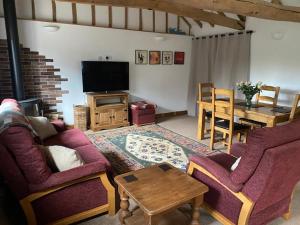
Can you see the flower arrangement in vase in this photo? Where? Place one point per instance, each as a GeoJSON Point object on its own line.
{"type": "Point", "coordinates": [249, 90]}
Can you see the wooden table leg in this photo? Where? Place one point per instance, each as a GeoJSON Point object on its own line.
{"type": "Point", "coordinates": [271, 123]}
{"type": "Point", "coordinates": [201, 122]}
{"type": "Point", "coordinates": [150, 220]}
{"type": "Point", "coordinates": [196, 210]}
{"type": "Point", "coordinates": [124, 205]}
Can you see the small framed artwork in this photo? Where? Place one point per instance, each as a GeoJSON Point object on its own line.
{"type": "Point", "coordinates": [154, 57]}
{"type": "Point", "coordinates": [167, 58]}
{"type": "Point", "coordinates": [141, 57]}
{"type": "Point", "coordinates": [179, 58]}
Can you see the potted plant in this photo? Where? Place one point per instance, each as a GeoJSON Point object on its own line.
{"type": "Point", "coordinates": [249, 90]}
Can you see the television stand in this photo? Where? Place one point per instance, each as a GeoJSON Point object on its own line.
{"type": "Point", "coordinates": [108, 110]}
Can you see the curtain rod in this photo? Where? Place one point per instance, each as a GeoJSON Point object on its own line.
{"type": "Point", "coordinates": [223, 35]}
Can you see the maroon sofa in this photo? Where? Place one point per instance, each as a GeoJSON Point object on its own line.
{"type": "Point", "coordinates": [261, 187]}
{"type": "Point", "coordinates": [46, 196]}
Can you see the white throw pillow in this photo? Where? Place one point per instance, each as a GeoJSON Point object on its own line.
{"type": "Point", "coordinates": [42, 127]}
{"type": "Point", "coordinates": [62, 158]}
{"type": "Point", "coordinates": [235, 165]}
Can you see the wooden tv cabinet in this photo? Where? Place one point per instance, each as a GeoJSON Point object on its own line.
{"type": "Point", "coordinates": [108, 110]}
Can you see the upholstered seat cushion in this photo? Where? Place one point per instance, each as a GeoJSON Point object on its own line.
{"type": "Point", "coordinates": [225, 124]}
{"type": "Point", "coordinates": [73, 138]}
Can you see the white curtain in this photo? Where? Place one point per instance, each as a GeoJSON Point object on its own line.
{"type": "Point", "coordinates": [221, 59]}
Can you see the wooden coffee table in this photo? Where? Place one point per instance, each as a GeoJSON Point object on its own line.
{"type": "Point", "coordinates": [158, 190]}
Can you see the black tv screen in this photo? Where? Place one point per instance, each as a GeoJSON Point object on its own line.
{"type": "Point", "coordinates": [100, 76]}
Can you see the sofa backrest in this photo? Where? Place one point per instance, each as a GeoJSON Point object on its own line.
{"type": "Point", "coordinates": [11, 174]}
{"type": "Point", "coordinates": [20, 144]}
{"type": "Point", "coordinates": [258, 141]}
{"type": "Point", "coordinates": [275, 177]}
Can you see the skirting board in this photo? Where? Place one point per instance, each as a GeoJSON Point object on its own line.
{"type": "Point", "coordinates": [171, 114]}
{"type": "Point", "coordinates": [157, 116]}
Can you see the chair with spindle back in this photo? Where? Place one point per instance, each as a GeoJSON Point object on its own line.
{"type": "Point", "coordinates": [264, 100]}
{"type": "Point", "coordinates": [223, 117]}
{"type": "Point", "coordinates": [205, 94]}
{"type": "Point", "coordinates": [295, 113]}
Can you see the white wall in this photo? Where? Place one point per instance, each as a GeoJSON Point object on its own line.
{"type": "Point", "coordinates": [165, 85]}
{"type": "Point", "coordinates": [276, 62]}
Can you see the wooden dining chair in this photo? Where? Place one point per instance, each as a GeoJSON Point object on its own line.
{"type": "Point", "coordinates": [265, 100]}
{"type": "Point", "coordinates": [295, 113]}
{"type": "Point", "coordinates": [223, 117]}
{"type": "Point", "coordinates": [205, 94]}
{"type": "Point", "coordinates": [205, 91]}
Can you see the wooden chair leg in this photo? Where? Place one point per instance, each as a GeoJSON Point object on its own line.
{"type": "Point", "coordinates": [229, 144]}
{"type": "Point", "coordinates": [212, 139]}
{"type": "Point", "coordinates": [224, 139]}
{"type": "Point", "coordinates": [239, 137]}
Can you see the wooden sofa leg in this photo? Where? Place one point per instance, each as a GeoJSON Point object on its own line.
{"type": "Point", "coordinates": [287, 215]}
{"type": "Point", "coordinates": [110, 194]}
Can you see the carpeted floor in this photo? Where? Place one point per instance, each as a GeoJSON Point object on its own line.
{"type": "Point", "coordinates": [132, 148]}
{"type": "Point", "coordinates": [186, 126]}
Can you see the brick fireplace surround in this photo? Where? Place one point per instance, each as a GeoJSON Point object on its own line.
{"type": "Point", "coordinates": [40, 79]}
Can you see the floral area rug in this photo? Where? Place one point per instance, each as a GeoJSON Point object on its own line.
{"type": "Point", "coordinates": [132, 148]}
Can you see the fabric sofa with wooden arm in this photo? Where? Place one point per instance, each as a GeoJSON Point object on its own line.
{"type": "Point", "coordinates": [260, 189]}
{"type": "Point", "coordinates": [50, 197]}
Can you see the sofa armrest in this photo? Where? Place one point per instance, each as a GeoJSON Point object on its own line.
{"type": "Point", "coordinates": [69, 176]}
{"type": "Point", "coordinates": [214, 170]}
{"type": "Point", "coordinates": [59, 125]}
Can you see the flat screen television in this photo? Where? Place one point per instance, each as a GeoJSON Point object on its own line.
{"type": "Point", "coordinates": [98, 76]}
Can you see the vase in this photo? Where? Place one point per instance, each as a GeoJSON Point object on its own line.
{"type": "Point", "coordinates": [248, 99]}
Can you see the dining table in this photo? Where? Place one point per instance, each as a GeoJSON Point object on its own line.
{"type": "Point", "coordinates": [263, 113]}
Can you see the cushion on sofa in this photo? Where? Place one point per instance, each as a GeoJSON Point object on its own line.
{"type": "Point", "coordinates": [42, 126]}
{"type": "Point", "coordinates": [20, 143]}
{"type": "Point", "coordinates": [73, 138]}
{"type": "Point", "coordinates": [61, 158]}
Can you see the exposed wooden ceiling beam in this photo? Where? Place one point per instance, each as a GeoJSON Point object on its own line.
{"type": "Point", "coordinates": [171, 7]}
{"type": "Point", "coordinates": [199, 23]}
{"type": "Point", "coordinates": [242, 18]}
{"type": "Point", "coordinates": [254, 8]}
{"type": "Point", "coordinates": [277, 2]}
{"type": "Point", "coordinates": [187, 23]}
{"type": "Point", "coordinates": [221, 13]}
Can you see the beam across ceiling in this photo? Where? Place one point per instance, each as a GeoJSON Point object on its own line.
{"type": "Point", "coordinates": [255, 8]}
{"type": "Point", "coordinates": [170, 7]}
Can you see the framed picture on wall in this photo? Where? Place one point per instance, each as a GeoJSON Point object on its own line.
{"type": "Point", "coordinates": [167, 58]}
{"type": "Point", "coordinates": [141, 57]}
{"type": "Point", "coordinates": [179, 58]}
{"type": "Point", "coordinates": [154, 57]}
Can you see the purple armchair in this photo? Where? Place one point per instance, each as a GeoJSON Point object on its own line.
{"type": "Point", "coordinates": [49, 197]}
{"type": "Point", "coordinates": [261, 187]}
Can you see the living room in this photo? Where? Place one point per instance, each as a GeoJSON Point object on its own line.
{"type": "Point", "coordinates": [166, 58]}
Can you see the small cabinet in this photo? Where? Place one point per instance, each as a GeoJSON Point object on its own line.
{"type": "Point", "coordinates": [108, 110]}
